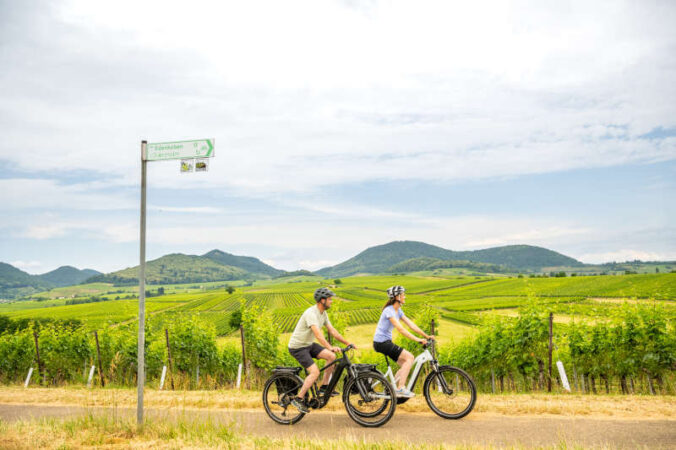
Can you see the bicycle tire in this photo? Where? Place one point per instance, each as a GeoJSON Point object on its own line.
{"type": "Point", "coordinates": [463, 391]}
{"type": "Point", "coordinates": [374, 413]}
{"type": "Point", "coordinates": [384, 413]}
{"type": "Point", "coordinates": [282, 399]}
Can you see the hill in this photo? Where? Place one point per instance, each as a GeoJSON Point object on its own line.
{"type": "Point", "coordinates": [381, 258]}
{"type": "Point", "coordinates": [16, 283]}
{"type": "Point", "coordinates": [175, 268]}
{"type": "Point", "coordinates": [247, 263]}
{"type": "Point", "coordinates": [67, 276]}
{"type": "Point", "coordinates": [425, 263]}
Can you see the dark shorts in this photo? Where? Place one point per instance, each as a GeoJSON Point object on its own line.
{"type": "Point", "coordinates": [304, 355]}
{"type": "Point", "coordinates": [388, 348]}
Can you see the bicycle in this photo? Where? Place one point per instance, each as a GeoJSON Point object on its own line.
{"type": "Point", "coordinates": [449, 391]}
{"type": "Point", "coordinates": [366, 393]}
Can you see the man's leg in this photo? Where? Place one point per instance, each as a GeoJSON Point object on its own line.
{"type": "Point", "coordinates": [329, 357]}
{"type": "Point", "coordinates": [405, 362]}
{"type": "Point", "coordinates": [313, 374]}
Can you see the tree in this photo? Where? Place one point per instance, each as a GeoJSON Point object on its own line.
{"type": "Point", "coordinates": [229, 289]}
{"type": "Point", "coordinates": [337, 281]}
{"type": "Point", "coordinates": [235, 319]}
{"type": "Point", "coordinates": [160, 290]}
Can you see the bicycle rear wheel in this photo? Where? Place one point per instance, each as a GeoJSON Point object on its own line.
{"type": "Point", "coordinates": [277, 394]}
{"type": "Point", "coordinates": [377, 408]}
{"type": "Point", "coordinates": [450, 392]}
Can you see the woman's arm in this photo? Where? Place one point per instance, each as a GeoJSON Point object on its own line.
{"type": "Point", "coordinates": [415, 327]}
{"type": "Point", "coordinates": [403, 330]}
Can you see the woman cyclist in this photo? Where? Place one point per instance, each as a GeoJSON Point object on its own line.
{"type": "Point", "coordinates": [382, 340]}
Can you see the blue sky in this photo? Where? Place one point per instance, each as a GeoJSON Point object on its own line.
{"type": "Point", "coordinates": [338, 126]}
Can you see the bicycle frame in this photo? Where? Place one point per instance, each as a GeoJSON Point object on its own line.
{"type": "Point", "coordinates": [422, 358]}
{"type": "Point", "coordinates": [418, 362]}
{"type": "Point", "coordinates": [341, 364]}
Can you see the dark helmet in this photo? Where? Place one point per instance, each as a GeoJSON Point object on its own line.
{"type": "Point", "coordinates": [323, 293]}
{"type": "Point", "coordinates": [395, 290]}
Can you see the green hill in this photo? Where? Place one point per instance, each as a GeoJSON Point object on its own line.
{"type": "Point", "coordinates": [427, 263]}
{"type": "Point", "coordinates": [175, 268]}
{"type": "Point", "coordinates": [381, 258]}
{"type": "Point", "coordinates": [16, 283]}
{"type": "Point", "coordinates": [247, 263]}
{"type": "Point", "coordinates": [68, 276]}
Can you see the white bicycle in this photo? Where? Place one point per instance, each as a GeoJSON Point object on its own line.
{"type": "Point", "coordinates": [449, 391]}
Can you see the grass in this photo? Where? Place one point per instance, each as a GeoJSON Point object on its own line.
{"type": "Point", "coordinates": [101, 431]}
{"type": "Point", "coordinates": [619, 406]}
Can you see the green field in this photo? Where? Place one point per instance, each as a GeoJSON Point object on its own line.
{"type": "Point", "coordinates": [463, 300]}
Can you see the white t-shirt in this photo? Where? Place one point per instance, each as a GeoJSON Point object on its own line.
{"type": "Point", "coordinates": [303, 336]}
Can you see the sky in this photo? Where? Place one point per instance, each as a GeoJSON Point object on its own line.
{"type": "Point", "coordinates": [338, 125]}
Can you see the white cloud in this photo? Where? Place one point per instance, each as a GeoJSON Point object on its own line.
{"type": "Point", "coordinates": [27, 266]}
{"type": "Point", "coordinates": [433, 91]}
{"type": "Point", "coordinates": [49, 194]}
{"type": "Point", "coordinates": [626, 255]}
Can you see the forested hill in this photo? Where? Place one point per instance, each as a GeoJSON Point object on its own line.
{"type": "Point", "coordinates": [16, 283]}
{"type": "Point", "coordinates": [248, 263]}
{"type": "Point", "coordinates": [384, 258]}
{"type": "Point", "coordinates": [175, 268]}
{"type": "Point", "coordinates": [68, 275]}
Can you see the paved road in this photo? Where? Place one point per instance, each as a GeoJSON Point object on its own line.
{"type": "Point", "coordinates": [475, 429]}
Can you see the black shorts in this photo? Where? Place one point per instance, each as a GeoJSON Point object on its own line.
{"type": "Point", "coordinates": [388, 348]}
{"type": "Point", "coordinates": [304, 355]}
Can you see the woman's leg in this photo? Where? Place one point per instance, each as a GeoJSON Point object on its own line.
{"type": "Point", "coordinates": [405, 362]}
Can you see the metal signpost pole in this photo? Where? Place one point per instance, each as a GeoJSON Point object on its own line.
{"type": "Point", "coordinates": [197, 151]}
{"type": "Point", "coordinates": [140, 379]}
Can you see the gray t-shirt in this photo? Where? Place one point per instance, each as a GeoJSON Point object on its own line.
{"type": "Point", "coordinates": [303, 336]}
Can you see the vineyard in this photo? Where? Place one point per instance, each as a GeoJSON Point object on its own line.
{"type": "Point", "coordinates": [582, 305]}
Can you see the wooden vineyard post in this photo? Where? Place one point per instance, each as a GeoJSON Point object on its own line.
{"type": "Point", "coordinates": [432, 328]}
{"type": "Point", "coordinates": [241, 333]}
{"type": "Point", "coordinates": [551, 332]}
{"type": "Point", "coordinates": [37, 354]}
{"type": "Point", "coordinates": [98, 356]}
{"type": "Point", "coordinates": [171, 372]}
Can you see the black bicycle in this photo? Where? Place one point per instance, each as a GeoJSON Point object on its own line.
{"type": "Point", "coordinates": [366, 394]}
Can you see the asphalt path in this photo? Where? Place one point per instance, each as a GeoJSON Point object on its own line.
{"type": "Point", "coordinates": [476, 429]}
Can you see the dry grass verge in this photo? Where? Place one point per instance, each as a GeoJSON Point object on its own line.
{"type": "Point", "coordinates": [104, 432]}
{"type": "Point", "coordinates": [633, 407]}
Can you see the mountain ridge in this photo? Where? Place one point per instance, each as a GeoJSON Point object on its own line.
{"type": "Point", "coordinates": [380, 258]}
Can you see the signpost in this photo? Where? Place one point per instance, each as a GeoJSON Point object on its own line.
{"type": "Point", "coordinates": [161, 151]}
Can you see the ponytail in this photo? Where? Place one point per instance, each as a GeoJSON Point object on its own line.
{"type": "Point", "coordinates": [389, 303]}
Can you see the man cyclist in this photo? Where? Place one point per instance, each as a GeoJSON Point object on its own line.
{"type": "Point", "coordinates": [382, 340]}
{"type": "Point", "coordinates": [303, 347]}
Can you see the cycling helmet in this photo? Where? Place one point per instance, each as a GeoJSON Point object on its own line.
{"type": "Point", "coordinates": [395, 290]}
{"type": "Point", "coordinates": [323, 293]}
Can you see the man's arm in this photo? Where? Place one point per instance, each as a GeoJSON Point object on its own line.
{"type": "Point", "coordinates": [414, 327]}
{"type": "Point", "coordinates": [320, 337]}
{"type": "Point", "coordinates": [333, 332]}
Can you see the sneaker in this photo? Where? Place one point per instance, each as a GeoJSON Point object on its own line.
{"type": "Point", "coordinates": [323, 388]}
{"type": "Point", "coordinates": [299, 403]}
{"type": "Point", "coordinates": [404, 393]}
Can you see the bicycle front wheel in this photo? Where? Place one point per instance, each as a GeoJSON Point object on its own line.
{"type": "Point", "coordinates": [450, 392]}
{"type": "Point", "coordinates": [377, 407]}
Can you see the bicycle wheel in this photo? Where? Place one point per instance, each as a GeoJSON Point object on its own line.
{"type": "Point", "coordinates": [450, 392]}
{"type": "Point", "coordinates": [377, 409]}
{"type": "Point", "coordinates": [277, 394]}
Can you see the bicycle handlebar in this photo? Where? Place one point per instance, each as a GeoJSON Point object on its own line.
{"type": "Point", "coordinates": [349, 347]}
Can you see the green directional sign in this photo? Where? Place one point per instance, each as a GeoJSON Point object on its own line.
{"type": "Point", "coordinates": [201, 148]}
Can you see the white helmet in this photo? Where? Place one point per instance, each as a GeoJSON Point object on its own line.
{"type": "Point", "coordinates": [395, 290]}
